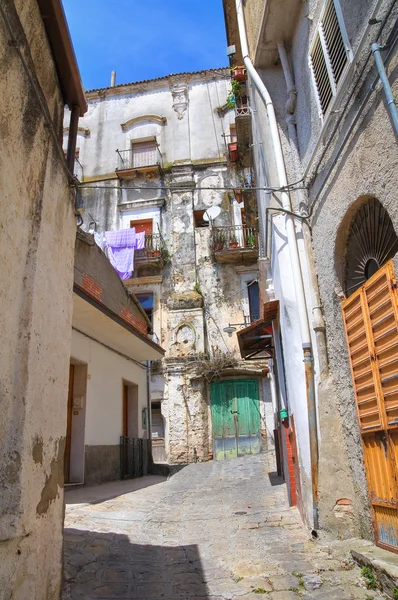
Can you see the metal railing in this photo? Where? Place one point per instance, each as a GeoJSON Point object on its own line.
{"type": "Point", "coordinates": [131, 159]}
{"type": "Point", "coordinates": [135, 457]}
{"type": "Point", "coordinates": [155, 247]}
{"type": "Point", "coordinates": [235, 237]}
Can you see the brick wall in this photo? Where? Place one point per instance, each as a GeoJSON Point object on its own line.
{"type": "Point", "coordinates": [134, 320]}
{"type": "Point", "coordinates": [92, 288]}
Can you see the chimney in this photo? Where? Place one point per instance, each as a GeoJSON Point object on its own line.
{"type": "Point", "coordinates": [113, 78]}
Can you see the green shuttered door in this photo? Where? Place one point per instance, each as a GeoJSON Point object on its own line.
{"type": "Point", "coordinates": [236, 418]}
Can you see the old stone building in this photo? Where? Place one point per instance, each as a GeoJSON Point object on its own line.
{"type": "Point", "coordinates": [38, 222]}
{"type": "Point", "coordinates": [323, 135]}
{"type": "Point", "coordinates": [160, 156]}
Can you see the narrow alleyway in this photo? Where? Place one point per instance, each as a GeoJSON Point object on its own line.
{"type": "Point", "coordinates": [217, 530]}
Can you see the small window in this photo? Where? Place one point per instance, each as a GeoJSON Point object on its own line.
{"type": "Point", "coordinates": [142, 225]}
{"type": "Point", "coordinates": [146, 301]}
{"type": "Point", "coordinates": [144, 154]}
{"type": "Point", "coordinates": [199, 220]}
{"type": "Point", "coordinates": [330, 55]}
{"type": "Point", "coordinates": [254, 300]}
{"type": "Point", "coordinates": [232, 133]}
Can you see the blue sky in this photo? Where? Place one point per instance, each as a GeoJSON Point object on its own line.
{"type": "Point", "coordinates": [144, 39]}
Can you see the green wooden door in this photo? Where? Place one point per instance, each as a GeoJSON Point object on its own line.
{"type": "Point", "coordinates": [236, 418]}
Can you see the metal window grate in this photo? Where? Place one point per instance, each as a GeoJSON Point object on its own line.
{"type": "Point", "coordinates": [329, 56]}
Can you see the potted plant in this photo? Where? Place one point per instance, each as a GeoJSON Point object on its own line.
{"type": "Point", "coordinates": [219, 241]}
{"type": "Point", "coordinates": [233, 152]}
{"type": "Point", "coordinates": [165, 254]}
{"type": "Point", "coordinates": [239, 73]}
{"type": "Point", "coordinates": [233, 242]}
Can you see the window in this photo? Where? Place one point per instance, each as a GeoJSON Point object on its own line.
{"type": "Point", "coordinates": [330, 54]}
{"type": "Point", "coordinates": [198, 218]}
{"type": "Point", "coordinates": [146, 301]}
{"type": "Point", "coordinates": [232, 133]}
{"type": "Point", "coordinates": [142, 225]}
{"type": "Point", "coordinates": [254, 300]}
{"type": "Point", "coordinates": [144, 154]}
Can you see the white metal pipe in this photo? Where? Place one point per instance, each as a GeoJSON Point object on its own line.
{"type": "Point", "coordinates": [282, 179]}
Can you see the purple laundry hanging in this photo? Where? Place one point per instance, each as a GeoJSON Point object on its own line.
{"type": "Point", "coordinates": [121, 246]}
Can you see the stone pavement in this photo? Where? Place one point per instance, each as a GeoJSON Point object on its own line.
{"type": "Point", "coordinates": [217, 530]}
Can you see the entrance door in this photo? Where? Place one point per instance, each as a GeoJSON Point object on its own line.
{"type": "Point", "coordinates": [371, 324]}
{"type": "Point", "coordinates": [68, 440]}
{"type": "Point", "coordinates": [235, 415]}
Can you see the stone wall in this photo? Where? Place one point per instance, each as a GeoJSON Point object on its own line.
{"type": "Point", "coordinates": [36, 274]}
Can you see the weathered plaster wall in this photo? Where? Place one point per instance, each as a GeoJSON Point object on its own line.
{"type": "Point", "coordinates": [195, 297]}
{"type": "Point", "coordinates": [367, 165]}
{"type": "Point", "coordinates": [368, 151]}
{"type": "Point", "coordinates": [36, 274]}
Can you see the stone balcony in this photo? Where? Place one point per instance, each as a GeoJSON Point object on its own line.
{"type": "Point", "coordinates": [235, 244]}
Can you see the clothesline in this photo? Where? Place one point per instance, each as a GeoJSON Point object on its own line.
{"type": "Point", "coordinates": [120, 246]}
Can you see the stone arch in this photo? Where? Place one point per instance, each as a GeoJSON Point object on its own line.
{"type": "Point", "coordinates": [366, 240]}
{"type": "Point", "coordinates": [185, 339]}
{"type": "Point", "coordinates": [143, 119]}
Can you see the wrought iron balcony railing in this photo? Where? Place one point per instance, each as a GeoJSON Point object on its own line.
{"type": "Point", "coordinates": [155, 248]}
{"type": "Point", "coordinates": [235, 238]}
{"type": "Point", "coordinates": [131, 159]}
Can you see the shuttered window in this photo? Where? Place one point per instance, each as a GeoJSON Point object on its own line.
{"type": "Point", "coordinates": [145, 154]}
{"type": "Point", "coordinates": [330, 54]}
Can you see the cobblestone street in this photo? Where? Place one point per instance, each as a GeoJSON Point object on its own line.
{"type": "Point", "coordinates": [217, 530]}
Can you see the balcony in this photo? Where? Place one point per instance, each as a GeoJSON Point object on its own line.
{"type": "Point", "coordinates": [139, 162]}
{"type": "Point", "coordinates": [235, 244]}
{"type": "Point", "coordinates": [154, 256]}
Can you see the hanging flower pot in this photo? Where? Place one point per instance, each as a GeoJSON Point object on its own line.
{"type": "Point", "coordinates": [233, 152]}
{"type": "Point", "coordinates": [239, 73]}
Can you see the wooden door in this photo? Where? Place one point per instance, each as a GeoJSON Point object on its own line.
{"type": "Point", "coordinates": [143, 226]}
{"type": "Point", "coordinates": [235, 418]}
{"type": "Point", "coordinates": [371, 324]}
{"type": "Point", "coordinates": [68, 440]}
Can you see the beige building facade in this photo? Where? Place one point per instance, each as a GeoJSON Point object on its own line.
{"type": "Point", "coordinates": [38, 212]}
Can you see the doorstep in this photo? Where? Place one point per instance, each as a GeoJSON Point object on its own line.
{"type": "Point", "coordinates": [73, 486]}
{"type": "Point", "coordinates": [383, 563]}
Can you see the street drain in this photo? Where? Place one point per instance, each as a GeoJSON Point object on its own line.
{"type": "Point", "coordinates": [241, 512]}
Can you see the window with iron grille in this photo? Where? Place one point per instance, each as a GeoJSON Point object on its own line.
{"type": "Point", "coordinates": [330, 54]}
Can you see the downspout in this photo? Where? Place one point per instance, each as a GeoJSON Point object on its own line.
{"type": "Point", "coordinates": [294, 259]}
{"type": "Point", "coordinates": [392, 107]}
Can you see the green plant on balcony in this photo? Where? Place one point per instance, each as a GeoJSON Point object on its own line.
{"type": "Point", "coordinates": [233, 242]}
{"type": "Point", "coordinates": [219, 240]}
{"type": "Point", "coordinates": [165, 254]}
{"type": "Point", "coordinates": [251, 240]}
{"type": "Point", "coordinates": [236, 91]}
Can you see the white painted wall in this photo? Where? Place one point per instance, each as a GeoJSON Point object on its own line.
{"type": "Point", "coordinates": [107, 372]}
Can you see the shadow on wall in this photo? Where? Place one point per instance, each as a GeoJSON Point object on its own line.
{"type": "Point", "coordinates": [108, 565]}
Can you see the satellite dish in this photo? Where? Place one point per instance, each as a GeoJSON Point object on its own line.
{"type": "Point", "coordinates": [211, 213]}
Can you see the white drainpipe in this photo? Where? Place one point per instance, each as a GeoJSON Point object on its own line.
{"type": "Point", "coordinates": [294, 258]}
{"type": "Point", "coordinates": [282, 177]}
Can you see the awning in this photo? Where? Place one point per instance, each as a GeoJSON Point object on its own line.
{"type": "Point", "coordinates": [256, 341]}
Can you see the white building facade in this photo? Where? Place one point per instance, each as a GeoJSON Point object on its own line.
{"type": "Point", "coordinates": [157, 155]}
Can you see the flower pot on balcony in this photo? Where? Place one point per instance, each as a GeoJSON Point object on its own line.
{"type": "Point", "coordinates": [234, 244]}
{"type": "Point", "coordinates": [233, 152]}
{"type": "Point", "coordinates": [238, 196]}
{"type": "Point", "coordinates": [218, 246]}
{"type": "Point", "coordinates": [239, 73]}
{"type": "Point", "coordinates": [156, 253]}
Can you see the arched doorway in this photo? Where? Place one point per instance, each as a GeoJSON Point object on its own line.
{"type": "Point", "coordinates": [370, 314]}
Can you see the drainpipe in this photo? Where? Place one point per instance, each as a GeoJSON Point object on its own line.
{"type": "Point", "coordinates": [294, 259]}
{"type": "Point", "coordinates": [392, 107]}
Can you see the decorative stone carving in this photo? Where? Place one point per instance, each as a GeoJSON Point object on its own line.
{"type": "Point", "coordinates": [185, 340]}
{"type": "Point", "coordinates": [179, 91]}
